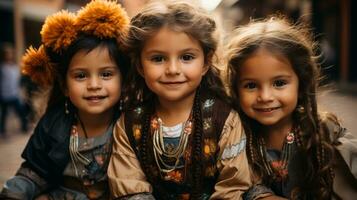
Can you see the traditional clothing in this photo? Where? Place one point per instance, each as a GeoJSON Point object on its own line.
{"type": "Point", "coordinates": [48, 165]}
{"type": "Point", "coordinates": [225, 172]}
{"type": "Point", "coordinates": [344, 165]}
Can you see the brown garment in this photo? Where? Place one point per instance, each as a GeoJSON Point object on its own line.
{"type": "Point", "coordinates": [126, 176]}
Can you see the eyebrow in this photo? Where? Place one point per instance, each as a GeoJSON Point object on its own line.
{"type": "Point", "coordinates": [101, 68]}
{"type": "Point", "coordinates": [151, 51]}
{"type": "Point", "coordinates": [275, 77]}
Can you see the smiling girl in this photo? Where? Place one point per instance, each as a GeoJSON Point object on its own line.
{"type": "Point", "coordinates": [82, 62]}
{"type": "Point", "coordinates": [294, 150]}
{"type": "Point", "coordinates": [180, 139]}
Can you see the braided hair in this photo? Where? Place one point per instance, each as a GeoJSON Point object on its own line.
{"type": "Point", "coordinates": [294, 42]}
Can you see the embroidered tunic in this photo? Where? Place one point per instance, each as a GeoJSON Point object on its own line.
{"type": "Point", "coordinates": [345, 167]}
{"type": "Point", "coordinates": [77, 186]}
{"type": "Point", "coordinates": [226, 178]}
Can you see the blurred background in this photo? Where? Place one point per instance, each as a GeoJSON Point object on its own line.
{"type": "Point", "coordinates": [332, 22]}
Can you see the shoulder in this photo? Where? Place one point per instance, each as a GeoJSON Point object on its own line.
{"type": "Point", "coordinates": [53, 124]}
{"type": "Point", "coordinates": [331, 125]}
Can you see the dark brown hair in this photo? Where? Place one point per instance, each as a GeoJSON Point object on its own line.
{"type": "Point", "coordinates": [294, 42]}
{"type": "Point", "coordinates": [182, 17]}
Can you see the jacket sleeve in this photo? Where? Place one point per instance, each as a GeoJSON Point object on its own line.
{"type": "Point", "coordinates": [26, 184]}
{"type": "Point", "coordinates": [345, 163]}
{"type": "Point", "coordinates": [234, 175]}
{"type": "Point", "coordinates": [346, 145]}
{"type": "Point", "coordinates": [36, 173]}
{"type": "Point", "coordinates": [124, 172]}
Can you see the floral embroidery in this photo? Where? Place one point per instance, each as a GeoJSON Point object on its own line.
{"type": "Point", "coordinates": [175, 176]}
{"type": "Point", "coordinates": [138, 110]}
{"type": "Point", "coordinates": [234, 150]}
{"type": "Point", "coordinates": [154, 123]}
{"type": "Point", "coordinates": [209, 147]}
{"type": "Point", "coordinates": [210, 171]}
{"type": "Point", "coordinates": [208, 103]}
{"type": "Point", "coordinates": [279, 169]}
{"type": "Point", "coordinates": [185, 196]}
{"type": "Point", "coordinates": [137, 131]}
{"type": "Point", "coordinates": [100, 159]}
{"type": "Point", "coordinates": [207, 123]}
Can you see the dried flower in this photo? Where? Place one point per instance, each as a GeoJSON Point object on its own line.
{"type": "Point", "coordinates": [104, 19]}
{"type": "Point", "coordinates": [37, 65]}
{"type": "Point", "coordinates": [59, 31]}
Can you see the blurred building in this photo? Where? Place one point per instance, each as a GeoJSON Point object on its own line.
{"type": "Point", "coordinates": [332, 21]}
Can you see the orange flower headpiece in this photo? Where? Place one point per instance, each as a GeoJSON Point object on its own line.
{"type": "Point", "coordinates": [101, 18]}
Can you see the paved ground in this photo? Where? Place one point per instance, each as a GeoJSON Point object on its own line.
{"type": "Point", "coordinates": [342, 103]}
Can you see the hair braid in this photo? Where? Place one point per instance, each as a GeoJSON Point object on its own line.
{"type": "Point", "coordinates": [197, 148]}
{"type": "Point", "coordinates": [145, 147]}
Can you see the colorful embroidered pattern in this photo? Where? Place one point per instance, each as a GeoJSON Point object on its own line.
{"type": "Point", "coordinates": [234, 150]}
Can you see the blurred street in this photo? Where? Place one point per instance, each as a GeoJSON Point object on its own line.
{"type": "Point", "coordinates": [343, 103]}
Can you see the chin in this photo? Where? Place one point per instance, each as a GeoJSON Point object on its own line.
{"type": "Point", "coordinates": [267, 122]}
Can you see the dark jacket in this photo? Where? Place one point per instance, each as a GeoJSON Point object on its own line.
{"type": "Point", "coordinates": [47, 151]}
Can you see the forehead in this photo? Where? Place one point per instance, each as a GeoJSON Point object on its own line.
{"type": "Point", "coordinates": [98, 57]}
{"type": "Point", "coordinates": [265, 64]}
{"type": "Point", "coordinates": [167, 39]}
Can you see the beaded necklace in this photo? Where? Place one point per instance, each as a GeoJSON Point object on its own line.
{"type": "Point", "coordinates": [159, 147]}
{"type": "Point", "coordinates": [278, 168]}
{"type": "Point", "coordinates": [93, 169]}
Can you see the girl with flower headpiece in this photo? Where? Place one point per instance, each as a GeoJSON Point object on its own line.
{"type": "Point", "coordinates": [83, 64]}
{"type": "Point", "coordinates": [295, 150]}
{"type": "Point", "coordinates": [179, 138]}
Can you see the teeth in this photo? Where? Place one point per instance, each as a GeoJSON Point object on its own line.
{"type": "Point", "coordinates": [266, 109]}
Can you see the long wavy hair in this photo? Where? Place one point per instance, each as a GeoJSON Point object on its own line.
{"type": "Point", "coordinates": [294, 42]}
{"type": "Point", "coordinates": [179, 16]}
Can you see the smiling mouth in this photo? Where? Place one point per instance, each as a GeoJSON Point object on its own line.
{"type": "Point", "coordinates": [173, 83]}
{"type": "Point", "coordinates": [266, 109]}
{"type": "Point", "coordinates": [94, 98]}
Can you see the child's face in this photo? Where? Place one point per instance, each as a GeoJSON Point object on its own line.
{"type": "Point", "coordinates": [268, 88]}
{"type": "Point", "coordinates": [93, 82]}
{"type": "Point", "coordinates": [172, 65]}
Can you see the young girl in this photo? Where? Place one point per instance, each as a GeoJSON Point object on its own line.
{"type": "Point", "coordinates": [82, 62]}
{"type": "Point", "coordinates": [179, 139]}
{"type": "Point", "coordinates": [273, 77]}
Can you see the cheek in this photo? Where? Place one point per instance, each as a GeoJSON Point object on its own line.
{"type": "Point", "coordinates": [245, 100]}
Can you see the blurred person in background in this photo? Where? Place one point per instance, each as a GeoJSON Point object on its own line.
{"type": "Point", "coordinates": [10, 89]}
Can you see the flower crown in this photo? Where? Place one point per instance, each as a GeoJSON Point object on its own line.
{"type": "Point", "coordinates": [101, 18]}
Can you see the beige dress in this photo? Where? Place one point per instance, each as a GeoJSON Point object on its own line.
{"type": "Point", "coordinates": [127, 178]}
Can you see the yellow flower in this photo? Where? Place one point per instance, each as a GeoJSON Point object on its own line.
{"type": "Point", "coordinates": [209, 147]}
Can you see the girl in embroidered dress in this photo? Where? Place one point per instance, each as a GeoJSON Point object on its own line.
{"type": "Point", "coordinates": [180, 139]}
{"type": "Point", "coordinates": [82, 62]}
{"type": "Point", "coordinates": [273, 77]}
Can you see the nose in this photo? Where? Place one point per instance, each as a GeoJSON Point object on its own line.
{"type": "Point", "coordinates": [94, 83]}
{"type": "Point", "coordinates": [265, 94]}
{"type": "Point", "coordinates": [173, 68]}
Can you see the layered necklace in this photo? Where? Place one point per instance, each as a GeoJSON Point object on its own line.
{"type": "Point", "coordinates": [278, 168]}
{"type": "Point", "coordinates": [160, 152]}
{"type": "Point", "coordinates": [94, 170]}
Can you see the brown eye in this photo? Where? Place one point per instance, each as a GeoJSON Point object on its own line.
{"type": "Point", "coordinates": [279, 83]}
{"type": "Point", "coordinates": [187, 57]}
{"type": "Point", "coordinates": [157, 59]}
{"type": "Point", "coordinates": [80, 76]}
{"type": "Point", "coordinates": [250, 85]}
